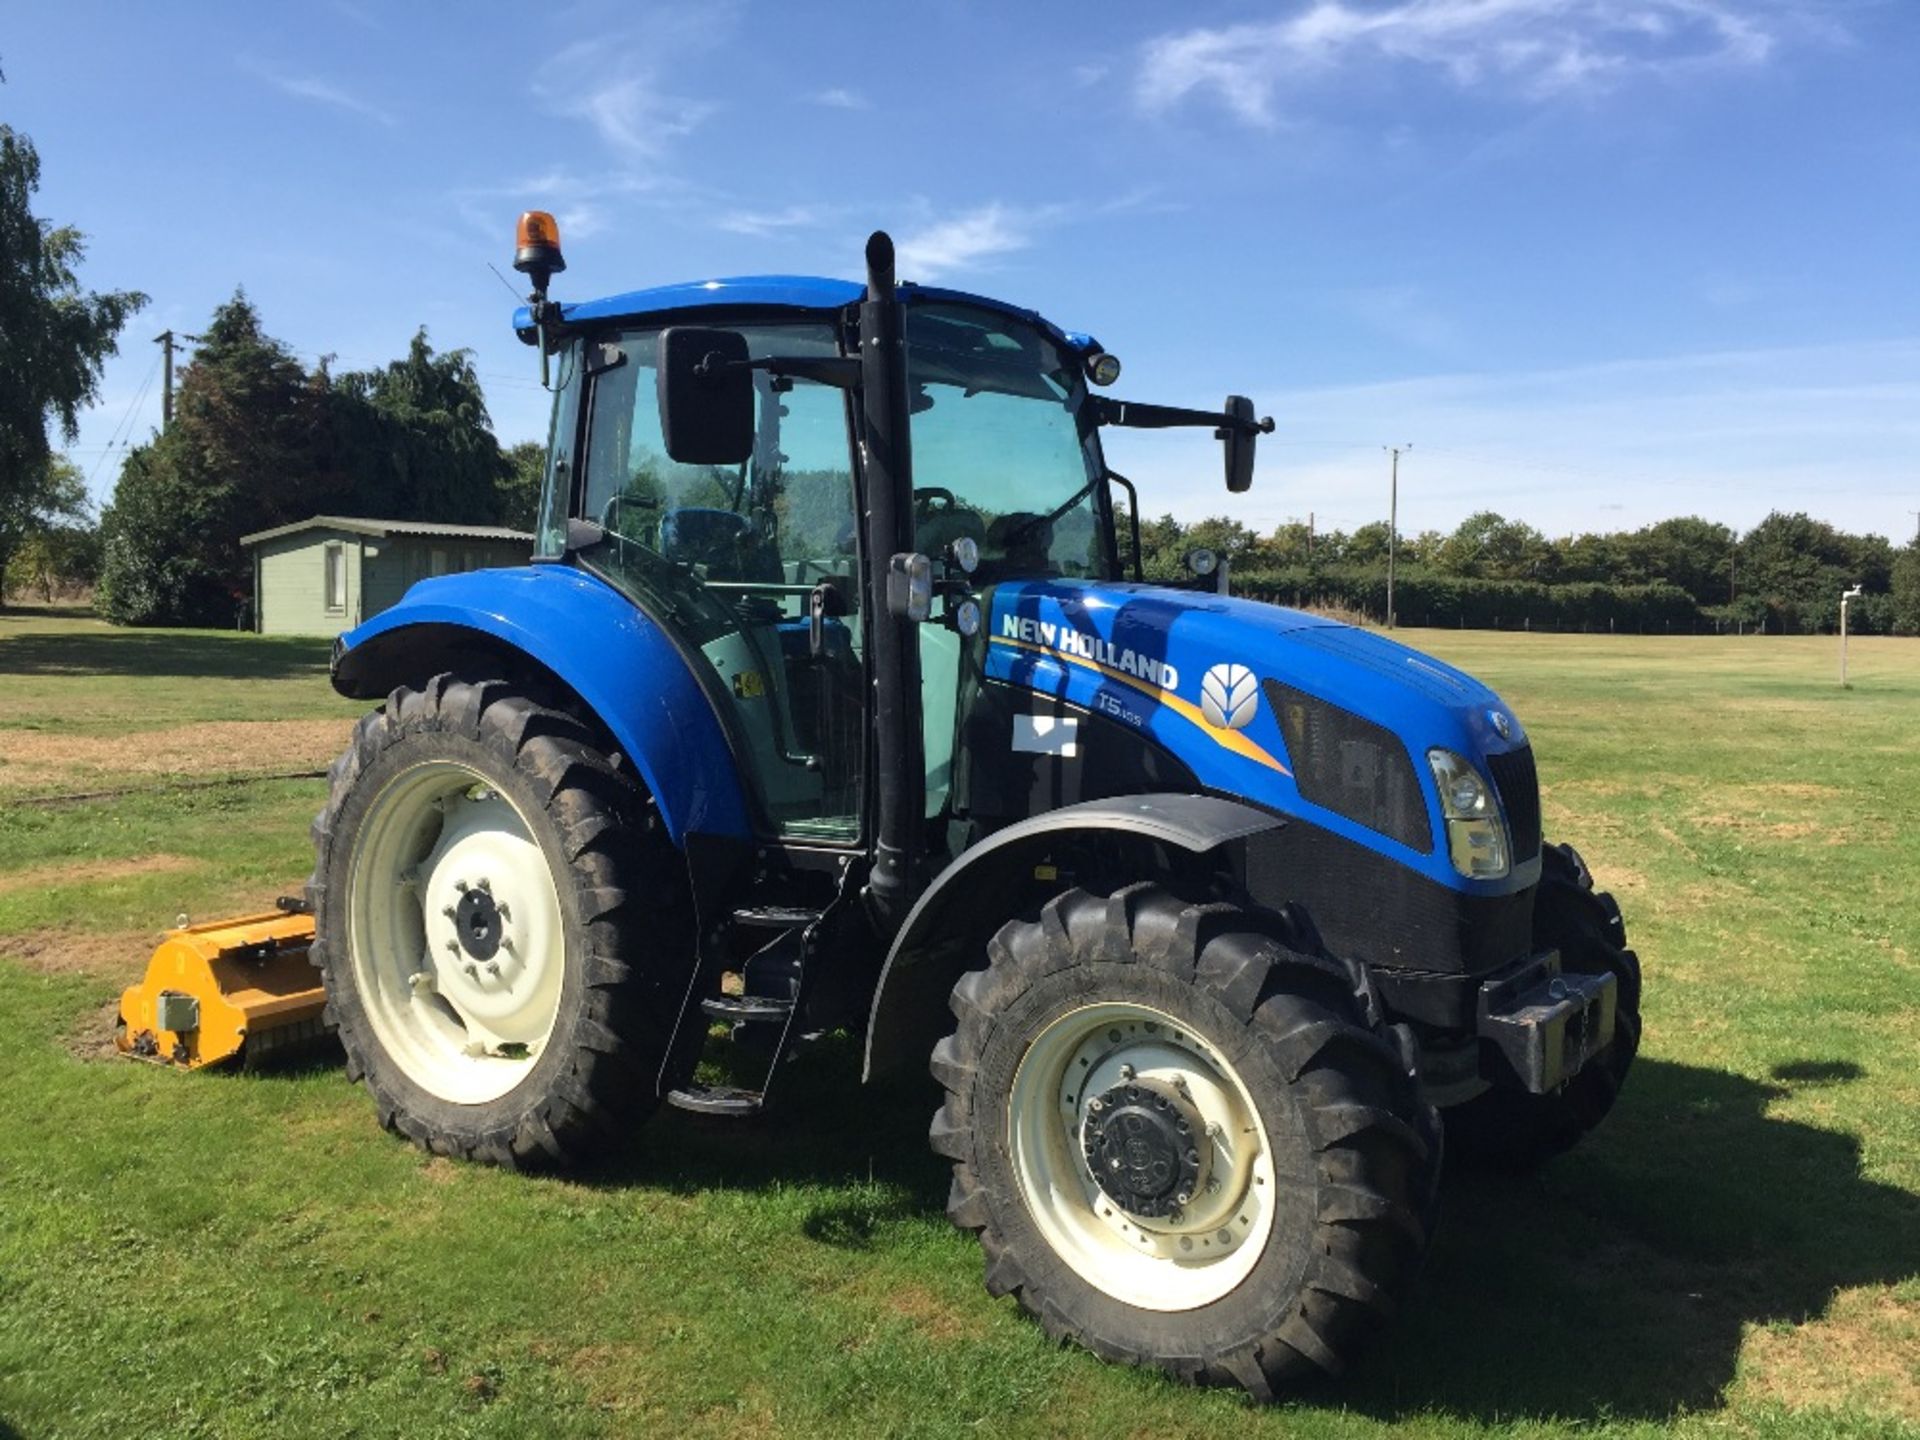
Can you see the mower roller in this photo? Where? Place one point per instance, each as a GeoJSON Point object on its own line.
{"type": "Point", "coordinates": [237, 987]}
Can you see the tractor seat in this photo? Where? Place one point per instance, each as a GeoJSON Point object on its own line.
{"type": "Point", "coordinates": [729, 545]}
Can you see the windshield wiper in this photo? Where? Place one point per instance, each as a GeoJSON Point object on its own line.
{"type": "Point", "coordinates": [1017, 533]}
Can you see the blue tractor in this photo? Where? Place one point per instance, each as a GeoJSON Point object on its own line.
{"type": "Point", "coordinates": [833, 700]}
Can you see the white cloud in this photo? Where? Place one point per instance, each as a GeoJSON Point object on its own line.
{"type": "Point", "coordinates": [615, 82]}
{"type": "Point", "coordinates": [963, 241]}
{"type": "Point", "coordinates": [323, 92]}
{"type": "Point", "coordinates": [839, 98]}
{"type": "Point", "coordinates": [1534, 48]}
{"type": "Point", "coordinates": [770, 222]}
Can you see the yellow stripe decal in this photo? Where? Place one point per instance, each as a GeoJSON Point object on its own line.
{"type": "Point", "coordinates": [1234, 740]}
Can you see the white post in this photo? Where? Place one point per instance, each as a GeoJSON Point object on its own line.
{"type": "Point", "coordinates": [1845, 596]}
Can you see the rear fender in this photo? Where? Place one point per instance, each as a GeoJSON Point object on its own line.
{"type": "Point", "coordinates": [594, 640]}
{"type": "Point", "coordinates": [943, 937]}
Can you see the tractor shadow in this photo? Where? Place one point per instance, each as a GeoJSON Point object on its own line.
{"type": "Point", "coordinates": [140, 654]}
{"type": "Point", "coordinates": [1615, 1284]}
{"type": "Point", "coordinates": [1620, 1281]}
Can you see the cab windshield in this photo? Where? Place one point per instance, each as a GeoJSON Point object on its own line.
{"type": "Point", "coordinates": [999, 454]}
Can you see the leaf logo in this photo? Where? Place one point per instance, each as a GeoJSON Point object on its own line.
{"type": "Point", "coordinates": [1229, 696]}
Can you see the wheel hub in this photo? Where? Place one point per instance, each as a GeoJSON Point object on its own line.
{"type": "Point", "coordinates": [1143, 1144]}
{"type": "Point", "coordinates": [476, 920]}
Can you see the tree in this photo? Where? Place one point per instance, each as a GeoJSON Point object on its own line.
{"type": "Point", "coordinates": [517, 494]}
{"type": "Point", "coordinates": [259, 441]}
{"type": "Point", "coordinates": [54, 339]}
{"type": "Point", "coordinates": [1799, 566]}
{"type": "Point", "coordinates": [1906, 590]}
{"type": "Point", "coordinates": [49, 499]}
{"type": "Point", "coordinates": [242, 454]}
{"type": "Point", "coordinates": [418, 441]}
{"type": "Point", "coordinates": [1490, 546]}
{"type": "Point", "coordinates": [1366, 546]}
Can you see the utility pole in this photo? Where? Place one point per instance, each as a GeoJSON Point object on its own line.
{"type": "Point", "coordinates": [1916, 525]}
{"type": "Point", "coordinates": [1309, 537]}
{"type": "Point", "coordinates": [165, 341]}
{"type": "Point", "coordinates": [1393, 522]}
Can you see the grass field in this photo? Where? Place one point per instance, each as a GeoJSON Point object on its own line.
{"type": "Point", "coordinates": [1736, 1252]}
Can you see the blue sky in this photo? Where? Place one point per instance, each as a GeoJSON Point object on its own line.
{"type": "Point", "coordinates": [1600, 261]}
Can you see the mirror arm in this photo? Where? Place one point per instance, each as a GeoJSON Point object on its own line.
{"type": "Point", "coordinates": [840, 371]}
{"type": "Point", "coordinates": [1114, 477]}
{"type": "Point", "coordinates": [1134, 416]}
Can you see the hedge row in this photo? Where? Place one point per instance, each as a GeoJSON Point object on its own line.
{"type": "Point", "coordinates": [1423, 598]}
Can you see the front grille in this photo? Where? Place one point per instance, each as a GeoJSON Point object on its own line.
{"type": "Point", "coordinates": [1351, 766]}
{"type": "Point", "coordinates": [1519, 786]}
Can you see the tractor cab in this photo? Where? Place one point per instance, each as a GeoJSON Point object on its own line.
{"type": "Point", "coordinates": [756, 565]}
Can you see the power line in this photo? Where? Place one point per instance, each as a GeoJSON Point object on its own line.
{"type": "Point", "coordinates": [126, 422]}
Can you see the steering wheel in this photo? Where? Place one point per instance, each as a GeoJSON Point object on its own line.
{"type": "Point", "coordinates": [923, 495]}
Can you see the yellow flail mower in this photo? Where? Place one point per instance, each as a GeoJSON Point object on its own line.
{"type": "Point", "coordinates": [236, 988]}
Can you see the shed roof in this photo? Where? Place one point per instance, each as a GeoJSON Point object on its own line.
{"type": "Point", "coordinates": [380, 529]}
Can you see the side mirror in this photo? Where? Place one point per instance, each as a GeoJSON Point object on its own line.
{"type": "Point", "coordinates": [1239, 443]}
{"type": "Point", "coordinates": [706, 396]}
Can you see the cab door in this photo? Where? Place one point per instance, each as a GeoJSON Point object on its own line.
{"type": "Point", "coordinates": [753, 568]}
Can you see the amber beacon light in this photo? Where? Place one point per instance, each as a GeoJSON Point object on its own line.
{"type": "Point", "coordinates": [536, 252]}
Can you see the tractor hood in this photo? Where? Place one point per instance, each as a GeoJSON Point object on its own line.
{"type": "Point", "coordinates": [1233, 687]}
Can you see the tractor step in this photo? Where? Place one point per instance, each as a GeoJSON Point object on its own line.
{"type": "Point", "coordinates": [774, 917]}
{"type": "Point", "coordinates": [748, 1009]}
{"type": "Point", "coordinates": [726, 1100]}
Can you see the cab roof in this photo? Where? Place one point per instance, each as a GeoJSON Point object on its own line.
{"type": "Point", "coordinates": [776, 292]}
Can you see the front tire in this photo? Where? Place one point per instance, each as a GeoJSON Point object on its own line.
{"type": "Point", "coordinates": [481, 870]}
{"type": "Point", "coordinates": [1182, 1142]}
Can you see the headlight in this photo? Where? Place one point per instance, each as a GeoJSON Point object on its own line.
{"type": "Point", "coordinates": [1476, 835]}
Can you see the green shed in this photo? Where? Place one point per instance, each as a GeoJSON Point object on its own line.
{"type": "Point", "coordinates": [327, 574]}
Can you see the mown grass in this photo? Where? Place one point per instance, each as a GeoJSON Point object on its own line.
{"type": "Point", "coordinates": [1738, 1251]}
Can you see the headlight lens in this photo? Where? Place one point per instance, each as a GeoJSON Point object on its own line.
{"type": "Point", "coordinates": [1476, 835]}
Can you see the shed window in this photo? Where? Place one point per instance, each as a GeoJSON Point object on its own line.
{"type": "Point", "coordinates": [334, 562]}
{"type": "Point", "coordinates": [437, 563]}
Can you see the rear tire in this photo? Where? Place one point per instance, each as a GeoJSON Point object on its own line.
{"type": "Point", "coordinates": [501, 926]}
{"type": "Point", "coordinates": [1511, 1127]}
{"type": "Point", "coordinates": [1299, 1108]}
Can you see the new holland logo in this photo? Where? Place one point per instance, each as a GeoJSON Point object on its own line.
{"type": "Point", "coordinates": [1229, 696]}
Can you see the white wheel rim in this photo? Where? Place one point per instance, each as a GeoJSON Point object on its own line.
{"type": "Point", "coordinates": [454, 932]}
{"type": "Point", "coordinates": [1207, 1246]}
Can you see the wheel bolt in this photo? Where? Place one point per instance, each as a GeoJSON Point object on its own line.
{"type": "Point", "coordinates": [473, 972]}
{"type": "Point", "coordinates": [454, 946]}
{"type": "Point", "coordinates": [1126, 1072]}
{"type": "Point", "coordinates": [506, 942]}
{"type": "Point", "coordinates": [484, 884]}
{"type": "Point", "coordinates": [461, 886]}
{"type": "Point", "coordinates": [449, 912]}
{"type": "Point", "coordinates": [1213, 1187]}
